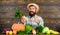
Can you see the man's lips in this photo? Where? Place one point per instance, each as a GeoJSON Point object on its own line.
{"type": "Point", "coordinates": [31, 12]}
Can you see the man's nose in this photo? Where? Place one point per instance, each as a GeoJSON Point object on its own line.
{"type": "Point", "coordinates": [31, 10]}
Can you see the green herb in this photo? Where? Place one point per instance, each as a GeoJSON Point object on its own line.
{"type": "Point", "coordinates": [18, 13]}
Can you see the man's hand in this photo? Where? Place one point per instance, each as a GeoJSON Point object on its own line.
{"type": "Point", "coordinates": [23, 19]}
{"type": "Point", "coordinates": [36, 19]}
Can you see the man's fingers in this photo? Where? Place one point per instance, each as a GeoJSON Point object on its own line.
{"type": "Point", "coordinates": [36, 20]}
{"type": "Point", "coordinates": [23, 19]}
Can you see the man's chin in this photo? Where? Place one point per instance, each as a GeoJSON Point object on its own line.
{"type": "Point", "coordinates": [32, 15]}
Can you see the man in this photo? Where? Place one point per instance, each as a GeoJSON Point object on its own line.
{"type": "Point", "coordinates": [32, 19]}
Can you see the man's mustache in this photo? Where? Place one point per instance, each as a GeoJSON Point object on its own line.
{"type": "Point", "coordinates": [31, 11]}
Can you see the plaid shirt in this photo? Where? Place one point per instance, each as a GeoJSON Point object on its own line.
{"type": "Point", "coordinates": [31, 21]}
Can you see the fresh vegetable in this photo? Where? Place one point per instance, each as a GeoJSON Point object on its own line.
{"type": "Point", "coordinates": [28, 28]}
{"type": "Point", "coordinates": [40, 28]}
{"type": "Point", "coordinates": [18, 27]}
{"type": "Point", "coordinates": [45, 30]}
{"type": "Point", "coordinates": [18, 13]}
{"type": "Point", "coordinates": [33, 31]}
{"type": "Point", "coordinates": [54, 32]}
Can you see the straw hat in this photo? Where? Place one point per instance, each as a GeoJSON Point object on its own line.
{"type": "Point", "coordinates": [37, 7]}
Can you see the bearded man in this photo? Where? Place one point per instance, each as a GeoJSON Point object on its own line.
{"type": "Point", "coordinates": [33, 19]}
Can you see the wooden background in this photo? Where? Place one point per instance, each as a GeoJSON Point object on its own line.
{"type": "Point", "coordinates": [49, 10]}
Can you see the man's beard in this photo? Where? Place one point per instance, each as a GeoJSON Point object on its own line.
{"type": "Point", "coordinates": [31, 15]}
